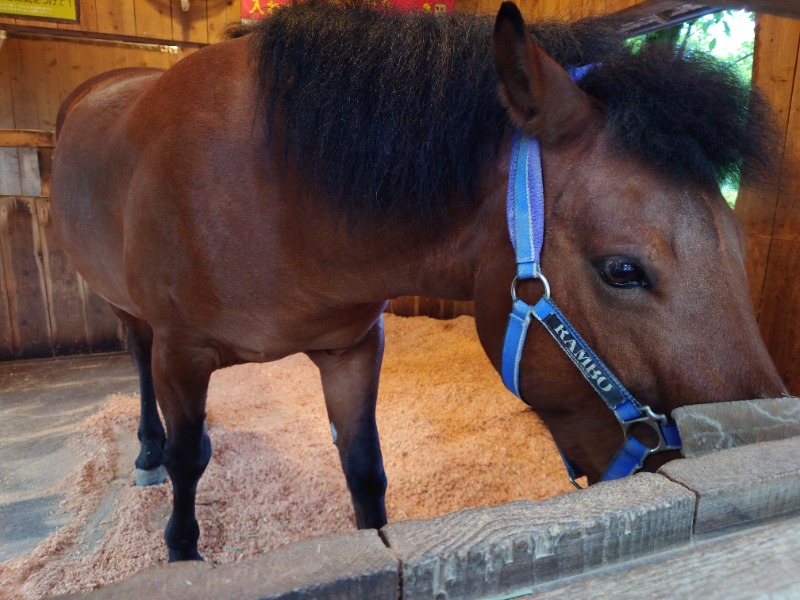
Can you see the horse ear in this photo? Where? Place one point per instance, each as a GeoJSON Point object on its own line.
{"type": "Point", "coordinates": [540, 96]}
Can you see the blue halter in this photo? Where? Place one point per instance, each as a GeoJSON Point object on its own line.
{"type": "Point", "coordinates": [525, 206]}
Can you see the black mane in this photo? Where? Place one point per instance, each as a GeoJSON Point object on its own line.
{"type": "Point", "coordinates": [393, 115]}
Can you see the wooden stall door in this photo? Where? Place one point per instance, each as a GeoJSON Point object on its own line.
{"type": "Point", "coordinates": [46, 309]}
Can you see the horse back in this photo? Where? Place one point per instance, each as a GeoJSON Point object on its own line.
{"type": "Point", "coordinates": [98, 81]}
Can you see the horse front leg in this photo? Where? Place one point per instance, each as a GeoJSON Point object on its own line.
{"type": "Point", "coordinates": [181, 373]}
{"type": "Point", "coordinates": [150, 462]}
{"type": "Point", "coordinates": [350, 383]}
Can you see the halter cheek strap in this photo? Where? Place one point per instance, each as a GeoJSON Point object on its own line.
{"type": "Point", "coordinates": [525, 212]}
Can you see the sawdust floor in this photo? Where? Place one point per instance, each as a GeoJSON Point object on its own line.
{"type": "Point", "coordinates": [452, 438]}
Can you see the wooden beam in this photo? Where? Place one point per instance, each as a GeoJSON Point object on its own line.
{"type": "Point", "coordinates": [651, 15]}
{"type": "Point", "coordinates": [781, 8]}
{"type": "Point", "coordinates": [21, 31]}
{"type": "Point", "coordinates": [27, 138]}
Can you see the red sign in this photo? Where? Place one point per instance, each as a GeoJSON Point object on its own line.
{"type": "Point", "coordinates": [259, 9]}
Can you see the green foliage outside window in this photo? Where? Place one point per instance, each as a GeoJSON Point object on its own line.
{"type": "Point", "coordinates": [728, 35]}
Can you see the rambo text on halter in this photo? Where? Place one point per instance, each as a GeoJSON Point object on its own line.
{"type": "Point", "coordinates": [525, 206]}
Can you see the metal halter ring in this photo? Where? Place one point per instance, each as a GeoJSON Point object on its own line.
{"type": "Point", "coordinates": [655, 421]}
{"type": "Point", "coordinates": [539, 275]}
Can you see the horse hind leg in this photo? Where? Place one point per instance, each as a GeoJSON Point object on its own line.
{"type": "Point", "coordinates": [181, 372]}
{"type": "Point", "coordinates": [150, 468]}
{"type": "Point", "coordinates": [350, 385]}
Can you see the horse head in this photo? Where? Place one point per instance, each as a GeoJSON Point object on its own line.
{"type": "Point", "coordinates": [642, 254]}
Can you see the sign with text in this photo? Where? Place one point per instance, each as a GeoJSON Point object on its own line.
{"type": "Point", "coordinates": [62, 11]}
{"type": "Point", "coordinates": [259, 9]}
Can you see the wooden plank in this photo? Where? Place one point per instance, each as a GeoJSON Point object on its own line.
{"type": "Point", "coordinates": [47, 86]}
{"type": "Point", "coordinates": [7, 345]}
{"type": "Point", "coordinates": [499, 550]}
{"type": "Point", "coordinates": [116, 17]}
{"type": "Point", "coordinates": [763, 562]}
{"type": "Point", "coordinates": [29, 172]}
{"type": "Point", "coordinates": [756, 267]}
{"type": "Point", "coordinates": [83, 63]}
{"type": "Point", "coordinates": [221, 13]}
{"type": "Point", "coordinates": [190, 25]}
{"type": "Point", "coordinates": [65, 300]}
{"type": "Point", "coordinates": [707, 428]}
{"type": "Point", "coordinates": [24, 71]}
{"type": "Point", "coordinates": [105, 330]}
{"type": "Point", "coordinates": [19, 245]}
{"type": "Point", "coordinates": [780, 311]}
{"type": "Point", "coordinates": [10, 182]}
{"type": "Point", "coordinates": [782, 8]}
{"type": "Point", "coordinates": [45, 156]}
{"type": "Point", "coordinates": [6, 103]}
{"type": "Point", "coordinates": [333, 567]}
{"type": "Point", "coordinates": [27, 138]}
{"type": "Point", "coordinates": [154, 18]}
{"type": "Point", "coordinates": [88, 18]}
{"type": "Point", "coordinates": [787, 211]}
{"type": "Point", "coordinates": [775, 66]}
{"type": "Point", "coordinates": [774, 69]}
{"type": "Point", "coordinates": [741, 486]}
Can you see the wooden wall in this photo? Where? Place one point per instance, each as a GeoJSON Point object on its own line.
{"type": "Point", "coordinates": [541, 9]}
{"type": "Point", "coordinates": [45, 307]}
{"type": "Point", "coordinates": [145, 19]}
{"type": "Point", "coordinates": [771, 216]}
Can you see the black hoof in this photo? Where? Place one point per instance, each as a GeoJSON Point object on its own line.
{"type": "Point", "coordinates": [181, 555]}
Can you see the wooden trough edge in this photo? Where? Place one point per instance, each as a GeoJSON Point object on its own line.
{"type": "Point", "coordinates": [513, 549]}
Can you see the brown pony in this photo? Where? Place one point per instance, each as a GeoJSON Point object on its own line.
{"type": "Point", "coordinates": [268, 194]}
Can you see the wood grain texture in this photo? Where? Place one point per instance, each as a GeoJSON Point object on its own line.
{"type": "Point", "coordinates": [88, 18]}
{"type": "Point", "coordinates": [760, 563]}
{"type": "Point", "coordinates": [30, 181]}
{"type": "Point", "coordinates": [755, 265]}
{"type": "Point", "coordinates": [66, 308]}
{"type": "Point", "coordinates": [191, 25]}
{"type": "Point", "coordinates": [116, 17]}
{"type": "Point", "coordinates": [771, 215]}
{"type": "Point", "coordinates": [741, 486]}
{"type": "Point", "coordinates": [27, 138]}
{"type": "Point", "coordinates": [222, 13]}
{"type": "Point", "coordinates": [498, 550]}
{"type": "Point", "coordinates": [774, 68]}
{"type": "Point", "coordinates": [154, 18]}
{"type": "Point", "coordinates": [105, 330]}
{"type": "Point", "coordinates": [787, 210]}
{"type": "Point", "coordinates": [707, 428]}
{"type": "Point", "coordinates": [334, 567]}
{"type": "Point", "coordinates": [24, 277]}
{"type": "Point", "coordinates": [10, 182]}
{"type": "Point", "coordinates": [780, 310]}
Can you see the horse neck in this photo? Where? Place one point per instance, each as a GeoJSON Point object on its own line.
{"type": "Point", "coordinates": [443, 264]}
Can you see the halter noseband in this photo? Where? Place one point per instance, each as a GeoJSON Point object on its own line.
{"type": "Point", "coordinates": [525, 206]}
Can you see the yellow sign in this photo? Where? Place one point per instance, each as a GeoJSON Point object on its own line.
{"type": "Point", "coordinates": [65, 11]}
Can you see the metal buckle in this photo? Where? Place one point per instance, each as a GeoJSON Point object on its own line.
{"type": "Point", "coordinates": [536, 275]}
{"type": "Point", "coordinates": [655, 421]}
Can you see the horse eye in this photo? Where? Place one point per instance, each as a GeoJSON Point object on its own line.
{"type": "Point", "coordinates": [622, 272]}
